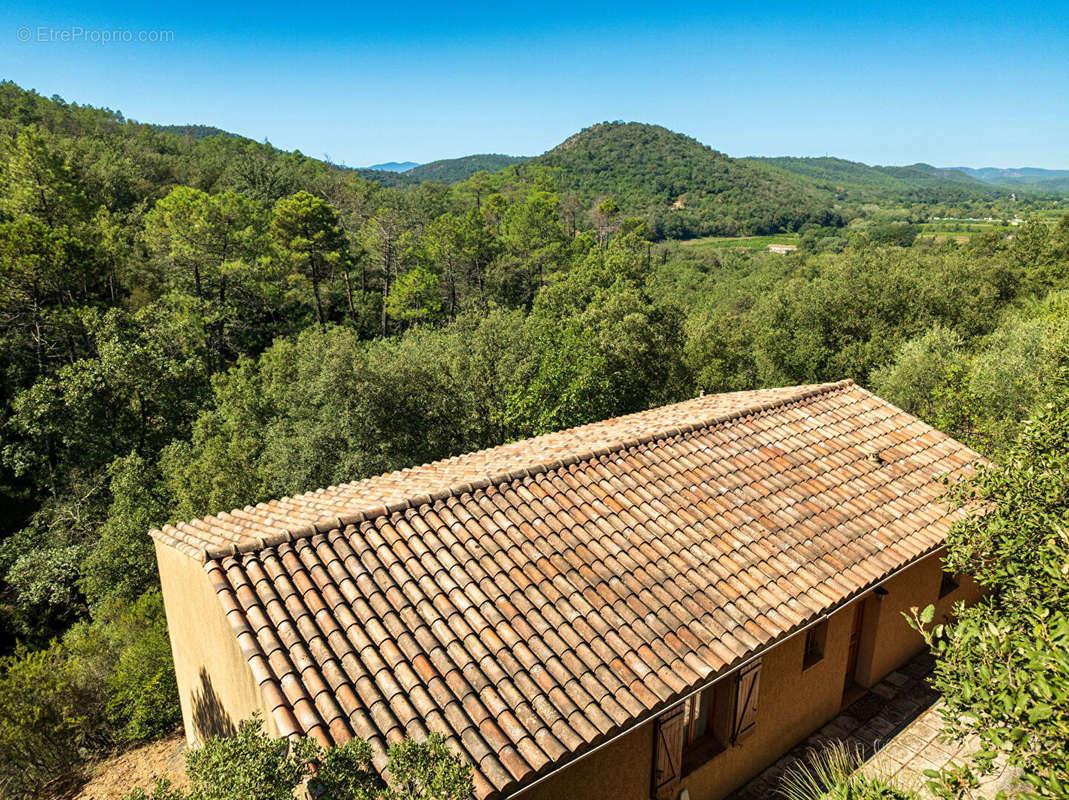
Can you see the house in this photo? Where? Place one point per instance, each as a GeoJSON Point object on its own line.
{"type": "Point", "coordinates": [664, 601]}
{"type": "Point", "coordinates": [782, 249]}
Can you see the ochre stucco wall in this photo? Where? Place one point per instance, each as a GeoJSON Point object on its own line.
{"type": "Point", "coordinates": [889, 640]}
{"type": "Point", "coordinates": [619, 771]}
{"type": "Point", "coordinates": [215, 684]}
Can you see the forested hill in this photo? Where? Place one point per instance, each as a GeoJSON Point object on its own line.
{"type": "Point", "coordinates": [684, 187]}
{"type": "Point", "coordinates": [123, 163]}
{"type": "Point", "coordinates": [447, 170]}
{"type": "Point", "coordinates": [455, 170]}
{"type": "Point", "coordinates": [917, 183]}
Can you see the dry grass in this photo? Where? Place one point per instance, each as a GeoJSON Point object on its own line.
{"type": "Point", "coordinates": [111, 778]}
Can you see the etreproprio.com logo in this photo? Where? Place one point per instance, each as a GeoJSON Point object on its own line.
{"type": "Point", "coordinates": [76, 34]}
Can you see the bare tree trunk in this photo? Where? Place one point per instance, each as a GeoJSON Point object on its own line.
{"type": "Point", "coordinates": [319, 303]}
{"type": "Point", "coordinates": [387, 260]}
{"type": "Point", "coordinates": [220, 333]}
{"type": "Point", "coordinates": [349, 295]}
{"type": "Point", "coordinates": [452, 291]}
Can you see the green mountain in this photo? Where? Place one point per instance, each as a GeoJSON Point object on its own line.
{"type": "Point", "coordinates": [852, 180]}
{"type": "Point", "coordinates": [128, 162]}
{"type": "Point", "coordinates": [385, 177]}
{"type": "Point", "coordinates": [682, 186]}
{"type": "Point", "coordinates": [455, 170]}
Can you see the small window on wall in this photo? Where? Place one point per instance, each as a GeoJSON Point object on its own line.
{"type": "Point", "coordinates": [950, 584]}
{"type": "Point", "coordinates": [815, 639]}
{"type": "Point", "coordinates": [700, 727]}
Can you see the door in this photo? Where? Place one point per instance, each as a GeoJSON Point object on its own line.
{"type": "Point", "coordinates": [855, 645]}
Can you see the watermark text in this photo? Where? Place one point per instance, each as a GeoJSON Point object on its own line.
{"type": "Point", "coordinates": [76, 34]}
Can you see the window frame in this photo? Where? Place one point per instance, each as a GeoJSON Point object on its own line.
{"type": "Point", "coordinates": [816, 639]}
{"type": "Point", "coordinates": [698, 749]}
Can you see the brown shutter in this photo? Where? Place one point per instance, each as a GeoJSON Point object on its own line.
{"type": "Point", "coordinates": [747, 685]}
{"type": "Point", "coordinates": [667, 754]}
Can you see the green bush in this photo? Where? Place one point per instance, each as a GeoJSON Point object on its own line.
{"type": "Point", "coordinates": [251, 765]}
{"type": "Point", "coordinates": [1003, 665]}
{"type": "Point", "coordinates": [110, 681]}
{"type": "Point", "coordinates": [49, 716]}
{"type": "Point", "coordinates": [142, 690]}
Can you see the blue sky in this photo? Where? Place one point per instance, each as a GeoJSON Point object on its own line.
{"type": "Point", "coordinates": [948, 83]}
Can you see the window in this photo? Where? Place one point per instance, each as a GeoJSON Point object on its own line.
{"type": "Point", "coordinates": [707, 722]}
{"type": "Point", "coordinates": [697, 711]}
{"type": "Point", "coordinates": [948, 585]}
{"type": "Point", "coordinates": [814, 644]}
{"type": "Point", "coordinates": [701, 724]}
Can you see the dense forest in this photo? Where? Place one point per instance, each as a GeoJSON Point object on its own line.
{"type": "Point", "coordinates": [190, 324]}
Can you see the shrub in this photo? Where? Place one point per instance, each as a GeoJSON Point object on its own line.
{"type": "Point", "coordinates": [251, 765]}
{"type": "Point", "coordinates": [48, 717]}
{"type": "Point", "coordinates": [109, 681]}
{"type": "Point", "coordinates": [832, 773]}
{"type": "Point", "coordinates": [142, 690]}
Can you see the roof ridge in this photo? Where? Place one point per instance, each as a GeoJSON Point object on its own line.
{"type": "Point", "coordinates": [329, 523]}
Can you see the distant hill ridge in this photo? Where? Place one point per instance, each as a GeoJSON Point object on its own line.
{"type": "Point", "coordinates": [1023, 178]}
{"type": "Point", "coordinates": [857, 181]}
{"type": "Point", "coordinates": [454, 170]}
{"type": "Point", "coordinates": [684, 187]}
{"type": "Point", "coordinates": [394, 166]}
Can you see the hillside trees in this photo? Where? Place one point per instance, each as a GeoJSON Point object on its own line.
{"type": "Point", "coordinates": [602, 345]}
{"type": "Point", "coordinates": [307, 236]}
{"type": "Point", "coordinates": [210, 246]}
{"type": "Point", "coordinates": [189, 325]}
{"type": "Point", "coordinates": [48, 258]}
{"type": "Point", "coordinates": [138, 387]}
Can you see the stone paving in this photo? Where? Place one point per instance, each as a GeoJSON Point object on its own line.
{"type": "Point", "coordinates": [896, 724]}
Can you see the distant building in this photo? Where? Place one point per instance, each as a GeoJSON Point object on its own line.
{"type": "Point", "coordinates": [782, 248]}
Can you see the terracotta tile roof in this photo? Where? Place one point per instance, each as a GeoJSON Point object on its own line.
{"type": "Point", "coordinates": [532, 600]}
{"type": "Point", "coordinates": [253, 527]}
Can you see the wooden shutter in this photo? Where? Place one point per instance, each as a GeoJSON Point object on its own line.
{"type": "Point", "coordinates": [747, 686]}
{"type": "Point", "coordinates": [667, 754]}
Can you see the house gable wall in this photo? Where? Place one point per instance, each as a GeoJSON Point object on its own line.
{"type": "Point", "coordinates": [215, 685]}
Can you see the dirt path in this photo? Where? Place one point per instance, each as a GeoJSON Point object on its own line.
{"type": "Point", "coordinates": [112, 778]}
